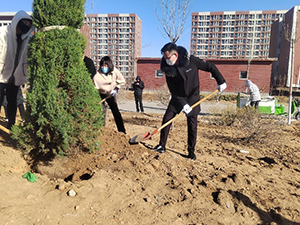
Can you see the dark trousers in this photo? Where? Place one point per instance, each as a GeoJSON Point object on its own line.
{"type": "Point", "coordinates": [139, 101]}
{"type": "Point", "coordinates": [11, 92]}
{"type": "Point", "coordinates": [115, 111]}
{"type": "Point", "coordinates": [255, 104]}
{"type": "Point", "coordinates": [192, 130]}
{"type": "Point", "coordinates": [21, 110]}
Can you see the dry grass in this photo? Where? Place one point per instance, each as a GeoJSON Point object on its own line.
{"type": "Point", "coordinates": [251, 125]}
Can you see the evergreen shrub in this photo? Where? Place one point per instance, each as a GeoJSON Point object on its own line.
{"type": "Point", "coordinates": [63, 109]}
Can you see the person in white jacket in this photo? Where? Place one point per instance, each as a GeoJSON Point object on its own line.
{"type": "Point", "coordinates": [108, 80]}
{"type": "Point", "coordinates": [13, 59]}
{"type": "Point", "coordinates": [254, 94]}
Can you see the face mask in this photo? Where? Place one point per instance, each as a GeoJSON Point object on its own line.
{"type": "Point", "coordinates": [23, 27]}
{"type": "Point", "coordinates": [104, 69]}
{"type": "Point", "coordinates": [170, 62]}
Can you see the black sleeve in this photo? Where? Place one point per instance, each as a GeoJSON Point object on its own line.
{"type": "Point", "coordinates": [142, 85]}
{"type": "Point", "coordinates": [209, 67]}
{"type": "Point", "coordinates": [90, 66]}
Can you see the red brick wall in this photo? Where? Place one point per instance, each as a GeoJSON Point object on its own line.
{"type": "Point", "coordinates": [146, 69]}
{"type": "Point", "coordinates": [260, 74]}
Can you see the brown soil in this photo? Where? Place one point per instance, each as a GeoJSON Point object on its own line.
{"type": "Point", "coordinates": [131, 184]}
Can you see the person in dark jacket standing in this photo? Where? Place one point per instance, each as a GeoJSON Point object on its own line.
{"type": "Point", "coordinates": [138, 87]}
{"type": "Point", "coordinates": [182, 78]}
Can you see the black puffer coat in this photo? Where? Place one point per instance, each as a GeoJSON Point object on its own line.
{"type": "Point", "coordinates": [183, 79]}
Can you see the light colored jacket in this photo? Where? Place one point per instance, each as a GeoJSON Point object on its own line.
{"type": "Point", "coordinates": [105, 83]}
{"type": "Point", "coordinates": [8, 50]}
{"type": "Point", "coordinates": [254, 91]}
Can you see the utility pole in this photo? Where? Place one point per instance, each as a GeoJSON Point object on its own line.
{"type": "Point", "coordinates": [290, 35]}
{"type": "Point", "coordinates": [291, 82]}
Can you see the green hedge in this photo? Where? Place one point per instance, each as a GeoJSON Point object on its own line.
{"type": "Point", "coordinates": [63, 109]}
{"type": "Point", "coordinates": [58, 13]}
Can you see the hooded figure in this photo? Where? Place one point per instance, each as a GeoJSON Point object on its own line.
{"type": "Point", "coordinates": [10, 65]}
{"type": "Point", "coordinates": [13, 59]}
{"type": "Point", "coordinates": [138, 87]}
{"type": "Point", "coordinates": [254, 93]}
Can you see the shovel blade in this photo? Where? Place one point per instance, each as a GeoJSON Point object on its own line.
{"type": "Point", "coordinates": [140, 137]}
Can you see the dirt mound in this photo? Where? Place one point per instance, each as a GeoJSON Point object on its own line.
{"type": "Point", "coordinates": [113, 147]}
{"type": "Point", "coordinates": [231, 182]}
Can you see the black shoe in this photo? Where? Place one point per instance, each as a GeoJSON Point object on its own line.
{"type": "Point", "coordinates": [192, 156]}
{"type": "Point", "coordinates": [159, 149]}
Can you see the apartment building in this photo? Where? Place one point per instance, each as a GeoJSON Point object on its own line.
{"type": "Point", "coordinates": [6, 17]}
{"type": "Point", "coordinates": [285, 45]}
{"type": "Point", "coordinates": [232, 34]}
{"type": "Point", "coordinates": [118, 36]}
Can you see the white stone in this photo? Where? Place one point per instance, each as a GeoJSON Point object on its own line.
{"type": "Point", "coordinates": [71, 193]}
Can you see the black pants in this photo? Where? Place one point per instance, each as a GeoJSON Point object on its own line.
{"type": "Point", "coordinates": [11, 92]}
{"type": "Point", "coordinates": [255, 104]}
{"type": "Point", "coordinates": [115, 111]}
{"type": "Point", "coordinates": [192, 130]}
{"type": "Point", "coordinates": [139, 101]}
{"type": "Point", "coordinates": [21, 110]}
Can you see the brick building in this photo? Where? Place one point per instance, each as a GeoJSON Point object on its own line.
{"type": "Point", "coordinates": [6, 17]}
{"type": "Point", "coordinates": [234, 71]}
{"type": "Point", "coordinates": [116, 35]}
{"type": "Point", "coordinates": [232, 34]}
{"type": "Point", "coordinates": [85, 31]}
{"type": "Point", "coordinates": [283, 33]}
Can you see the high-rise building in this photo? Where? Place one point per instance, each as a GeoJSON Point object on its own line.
{"type": "Point", "coordinates": [6, 17]}
{"type": "Point", "coordinates": [285, 45]}
{"type": "Point", "coordinates": [232, 34]}
{"type": "Point", "coordinates": [118, 36]}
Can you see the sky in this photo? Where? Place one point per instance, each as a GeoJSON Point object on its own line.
{"type": "Point", "coordinates": [152, 38]}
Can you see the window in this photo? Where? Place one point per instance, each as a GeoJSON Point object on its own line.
{"type": "Point", "coordinates": [243, 75]}
{"type": "Point", "coordinates": [158, 73]}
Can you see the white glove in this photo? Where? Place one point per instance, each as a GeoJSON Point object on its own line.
{"type": "Point", "coordinates": [113, 93]}
{"type": "Point", "coordinates": [187, 109]}
{"type": "Point", "coordinates": [222, 87]}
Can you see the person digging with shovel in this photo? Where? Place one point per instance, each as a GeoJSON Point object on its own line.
{"type": "Point", "coordinates": [108, 80]}
{"type": "Point", "coordinates": [182, 78]}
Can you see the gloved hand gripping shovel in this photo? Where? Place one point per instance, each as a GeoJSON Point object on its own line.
{"type": "Point", "coordinates": [142, 137]}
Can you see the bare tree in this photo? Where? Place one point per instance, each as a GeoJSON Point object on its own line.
{"type": "Point", "coordinates": [172, 16]}
{"type": "Point", "coordinates": [289, 34]}
{"type": "Point", "coordinates": [89, 10]}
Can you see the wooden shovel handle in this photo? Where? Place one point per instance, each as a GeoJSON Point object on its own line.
{"type": "Point", "coordinates": [180, 114]}
{"type": "Point", "coordinates": [104, 99]}
{"type": "Point", "coordinates": [4, 129]}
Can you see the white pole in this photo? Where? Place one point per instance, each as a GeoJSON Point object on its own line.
{"type": "Point", "coordinates": [291, 85]}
